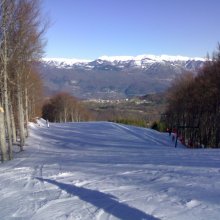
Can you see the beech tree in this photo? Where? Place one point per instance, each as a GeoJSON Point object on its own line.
{"type": "Point", "coordinates": [21, 44]}
{"type": "Point", "coordinates": [5, 54]}
{"type": "Point", "coordinates": [64, 108]}
{"type": "Point", "coordinates": [28, 43]}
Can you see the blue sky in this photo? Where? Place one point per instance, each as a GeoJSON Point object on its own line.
{"type": "Point", "coordinates": [88, 29]}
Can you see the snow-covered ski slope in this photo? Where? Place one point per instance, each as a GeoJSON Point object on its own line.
{"type": "Point", "coordinates": [101, 171]}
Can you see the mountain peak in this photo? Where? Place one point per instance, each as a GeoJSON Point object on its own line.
{"type": "Point", "coordinates": [150, 57]}
{"type": "Point", "coordinates": [156, 58]}
{"type": "Point", "coordinates": [69, 61]}
{"type": "Point", "coordinates": [114, 77]}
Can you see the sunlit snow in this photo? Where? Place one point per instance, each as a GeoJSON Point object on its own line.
{"type": "Point", "coordinates": [155, 58]}
{"type": "Point", "coordinates": [100, 171]}
{"type": "Point", "coordinates": [139, 60]}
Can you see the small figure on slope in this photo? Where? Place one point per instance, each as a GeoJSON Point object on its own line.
{"type": "Point", "coordinates": [47, 122]}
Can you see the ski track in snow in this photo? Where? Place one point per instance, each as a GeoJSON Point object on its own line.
{"type": "Point", "coordinates": [101, 171]}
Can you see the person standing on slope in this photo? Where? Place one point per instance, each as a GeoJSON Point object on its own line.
{"type": "Point", "coordinates": [47, 122]}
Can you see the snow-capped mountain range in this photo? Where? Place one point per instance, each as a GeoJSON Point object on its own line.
{"type": "Point", "coordinates": [138, 61]}
{"type": "Point", "coordinates": [114, 77]}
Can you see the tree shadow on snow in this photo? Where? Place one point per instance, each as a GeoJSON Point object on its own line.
{"type": "Point", "coordinates": [103, 201]}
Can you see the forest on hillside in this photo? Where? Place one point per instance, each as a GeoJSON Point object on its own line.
{"type": "Point", "coordinates": [194, 105]}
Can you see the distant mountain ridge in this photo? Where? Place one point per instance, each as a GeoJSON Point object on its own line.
{"type": "Point", "coordinates": [114, 77]}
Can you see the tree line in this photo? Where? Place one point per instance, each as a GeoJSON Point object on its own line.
{"type": "Point", "coordinates": [194, 105]}
{"type": "Point", "coordinates": [21, 45]}
{"type": "Point", "coordinates": [64, 108]}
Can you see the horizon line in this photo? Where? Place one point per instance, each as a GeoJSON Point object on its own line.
{"type": "Point", "coordinates": [126, 57]}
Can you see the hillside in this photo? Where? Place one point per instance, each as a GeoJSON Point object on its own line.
{"type": "Point", "coordinates": [101, 171]}
{"type": "Point", "coordinates": [114, 77]}
{"type": "Point", "coordinates": [143, 110]}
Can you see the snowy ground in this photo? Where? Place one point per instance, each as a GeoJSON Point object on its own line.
{"type": "Point", "coordinates": [106, 171]}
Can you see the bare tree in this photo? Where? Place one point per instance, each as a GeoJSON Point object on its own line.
{"type": "Point", "coordinates": [29, 47]}
{"type": "Point", "coordinates": [21, 43]}
{"type": "Point", "coordinates": [194, 104]}
{"type": "Point", "coordinates": [7, 10]}
{"type": "Point", "coordinates": [64, 108]}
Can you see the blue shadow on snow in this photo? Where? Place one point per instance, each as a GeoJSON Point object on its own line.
{"type": "Point", "coordinates": [103, 201]}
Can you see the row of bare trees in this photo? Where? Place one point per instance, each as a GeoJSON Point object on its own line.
{"type": "Point", "coordinates": [21, 45]}
{"type": "Point", "coordinates": [64, 108]}
{"type": "Point", "coordinates": [194, 105]}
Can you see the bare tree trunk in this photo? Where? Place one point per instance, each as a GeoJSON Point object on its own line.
{"type": "Point", "coordinates": [72, 117]}
{"type": "Point", "coordinates": [21, 119]}
{"type": "Point", "coordinates": [14, 138]}
{"type": "Point", "coordinates": [2, 136]}
{"type": "Point", "coordinates": [31, 107]}
{"type": "Point", "coordinates": [65, 114]}
{"type": "Point", "coordinates": [8, 123]}
{"type": "Point", "coordinates": [5, 76]}
{"type": "Point", "coordinates": [26, 111]}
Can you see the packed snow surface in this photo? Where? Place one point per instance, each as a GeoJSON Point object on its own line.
{"type": "Point", "coordinates": [101, 171]}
